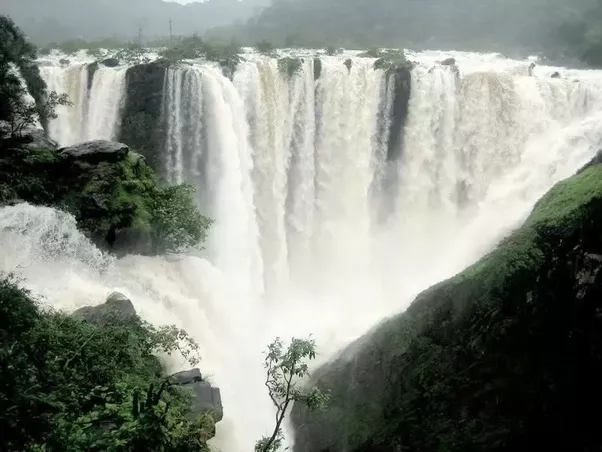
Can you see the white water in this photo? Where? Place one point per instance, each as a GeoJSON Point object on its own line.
{"type": "Point", "coordinates": [292, 173]}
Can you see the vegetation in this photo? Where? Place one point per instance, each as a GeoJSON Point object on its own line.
{"type": "Point", "coordinates": [118, 204]}
{"type": "Point", "coordinates": [283, 368]}
{"type": "Point", "coordinates": [496, 358]}
{"type": "Point", "coordinates": [17, 57]}
{"type": "Point", "coordinates": [67, 384]}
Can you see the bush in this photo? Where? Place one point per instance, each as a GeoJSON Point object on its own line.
{"type": "Point", "coordinates": [69, 385]}
{"type": "Point", "coordinates": [176, 224]}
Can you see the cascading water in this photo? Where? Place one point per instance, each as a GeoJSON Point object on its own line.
{"type": "Point", "coordinates": [95, 112]}
{"type": "Point", "coordinates": [293, 170]}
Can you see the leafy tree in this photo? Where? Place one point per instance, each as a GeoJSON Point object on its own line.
{"type": "Point", "coordinates": [177, 224]}
{"type": "Point", "coordinates": [67, 384]}
{"type": "Point", "coordinates": [283, 370]}
{"type": "Point", "coordinates": [27, 114]}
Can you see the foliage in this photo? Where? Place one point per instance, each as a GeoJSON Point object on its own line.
{"type": "Point", "coordinates": [66, 384]}
{"type": "Point", "coordinates": [176, 223]}
{"type": "Point", "coordinates": [17, 55]}
{"type": "Point", "coordinates": [27, 114]}
{"type": "Point", "coordinates": [283, 368]}
{"type": "Point", "coordinates": [109, 199]}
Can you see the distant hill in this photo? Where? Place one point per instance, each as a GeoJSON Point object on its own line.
{"type": "Point", "coordinates": [488, 25]}
{"type": "Point", "coordinates": [47, 21]}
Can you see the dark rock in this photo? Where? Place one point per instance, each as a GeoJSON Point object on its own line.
{"type": "Point", "coordinates": [205, 398]}
{"type": "Point", "coordinates": [143, 122]}
{"type": "Point", "coordinates": [92, 68]}
{"type": "Point", "coordinates": [37, 139]}
{"type": "Point", "coordinates": [110, 62]}
{"type": "Point", "coordinates": [555, 75]}
{"type": "Point", "coordinates": [96, 151]}
{"type": "Point", "coordinates": [531, 68]}
{"type": "Point", "coordinates": [64, 62]}
{"type": "Point", "coordinates": [118, 308]}
{"type": "Point", "coordinates": [449, 62]}
{"type": "Point", "coordinates": [349, 63]}
{"type": "Point", "coordinates": [317, 68]}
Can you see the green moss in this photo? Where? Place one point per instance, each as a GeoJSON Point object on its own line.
{"type": "Point", "coordinates": [112, 201]}
{"type": "Point", "coordinates": [566, 204]}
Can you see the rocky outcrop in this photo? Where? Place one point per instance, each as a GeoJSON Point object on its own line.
{"type": "Point", "coordinates": [105, 186]}
{"type": "Point", "coordinates": [96, 151]}
{"type": "Point", "coordinates": [505, 355]}
{"type": "Point", "coordinates": [142, 120]}
{"type": "Point", "coordinates": [317, 68]}
{"type": "Point", "coordinates": [555, 75]}
{"type": "Point", "coordinates": [118, 308]}
{"type": "Point", "coordinates": [348, 64]}
{"type": "Point", "coordinates": [205, 398]}
{"type": "Point", "coordinates": [448, 62]}
{"type": "Point", "coordinates": [110, 62]}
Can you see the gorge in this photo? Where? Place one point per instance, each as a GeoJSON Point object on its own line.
{"type": "Point", "coordinates": [335, 202]}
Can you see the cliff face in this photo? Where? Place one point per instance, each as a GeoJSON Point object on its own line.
{"type": "Point", "coordinates": [507, 354]}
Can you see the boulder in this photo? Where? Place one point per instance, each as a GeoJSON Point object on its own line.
{"type": "Point", "coordinates": [449, 62]}
{"type": "Point", "coordinates": [37, 139]}
{"type": "Point", "coordinates": [110, 62]}
{"type": "Point", "coordinates": [349, 63]}
{"type": "Point", "coordinates": [64, 62]}
{"type": "Point", "coordinates": [96, 151]}
{"type": "Point", "coordinates": [118, 308]}
{"type": "Point", "coordinates": [205, 398]}
{"type": "Point", "coordinates": [555, 75]}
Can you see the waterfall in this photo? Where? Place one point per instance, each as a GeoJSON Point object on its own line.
{"type": "Point", "coordinates": [95, 112]}
{"type": "Point", "coordinates": [296, 173]}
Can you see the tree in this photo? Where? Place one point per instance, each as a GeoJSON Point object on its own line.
{"type": "Point", "coordinates": [26, 114]}
{"type": "Point", "coordinates": [177, 224]}
{"type": "Point", "coordinates": [283, 370]}
{"type": "Point", "coordinates": [17, 57]}
{"type": "Point", "coordinates": [68, 384]}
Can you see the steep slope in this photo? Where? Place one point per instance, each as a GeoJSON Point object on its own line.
{"type": "Point", "coordinates": [505, 355]}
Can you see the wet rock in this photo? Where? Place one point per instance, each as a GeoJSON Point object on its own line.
{"type": "Point", "coordinates": [555, 75]}
{"type": "Point", "coordinates": [111, 62]}
{"type": "Point", "coordinates": [64, 62]}
{"type": "Point", "coordinates": [448, 62]}
{"type": "Point", "coordinates": [349, 64]}
{"type": "Point", "coordinates": [205, 398]}
{"type": "Point", "coordinates": [117, 308]}
{"type": "Point", "coordinates": [531, 68]}
{"type": "Point", "coordinates": [96, 151]}
{"type": "Point", "coordinates": [317, 68]}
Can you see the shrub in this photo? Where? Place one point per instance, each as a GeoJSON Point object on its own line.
{"type": "Point", "coordinates": [66, 384]}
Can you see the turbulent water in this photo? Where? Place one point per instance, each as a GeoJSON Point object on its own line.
{"type": "Point", "coordinates": [318, 229]}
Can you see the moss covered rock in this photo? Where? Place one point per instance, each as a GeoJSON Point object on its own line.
{"type": "Point", "coordinates": [112, 192]}
{"type": "Point", "coordinates": [502, 357]}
